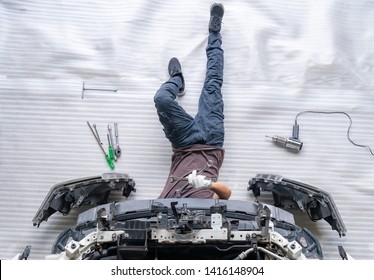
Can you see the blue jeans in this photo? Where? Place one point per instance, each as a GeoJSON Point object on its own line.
{"type": "Point", "coordinates": [207, 127]}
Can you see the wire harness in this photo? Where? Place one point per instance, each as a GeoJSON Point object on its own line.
{"type": "Point", "coordinates": [294, 143]}
{"type": "Point", "coordinates": [340, 113]}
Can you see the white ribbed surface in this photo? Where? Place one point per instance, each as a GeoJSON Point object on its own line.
{"type": "Point", "coordinates": [280, 59]}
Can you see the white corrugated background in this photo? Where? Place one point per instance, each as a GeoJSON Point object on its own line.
{"type": "Point", "coordinates": [281, 58]}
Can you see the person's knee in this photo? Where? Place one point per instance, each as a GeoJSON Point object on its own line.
{"type": "Point", "coordinates": [214, 85]}
{"type": "Point", "coordinates": [162, 101]}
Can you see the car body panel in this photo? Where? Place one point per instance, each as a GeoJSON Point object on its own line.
{"type": "Point", "coordinates": [318, 203]}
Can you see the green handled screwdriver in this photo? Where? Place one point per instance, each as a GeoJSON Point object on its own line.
{"type": "Point", "coordinates": [107, 157]}
{"type": "Point", "coordinates": [110, 149]}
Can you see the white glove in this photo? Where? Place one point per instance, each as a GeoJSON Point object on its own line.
{"type": "Point", "coordinates": [198, 181]}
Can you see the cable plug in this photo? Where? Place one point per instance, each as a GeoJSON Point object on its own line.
{"type": "Point", "coordinates": [289, 143]}
{"type": "Point", "coordinates": [293, 142]}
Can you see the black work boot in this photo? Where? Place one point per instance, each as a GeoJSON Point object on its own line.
{"type": "Point", "coordinates": [216, 14]}
{"type": "Point", "coordinates": [175, 69]}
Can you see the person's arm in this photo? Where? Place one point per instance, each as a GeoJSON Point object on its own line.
{"type": "Point", "coordinates": [221, 191]}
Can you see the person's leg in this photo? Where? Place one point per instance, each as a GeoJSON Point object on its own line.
{"type": "Point", "coordinates": [210, 117]}
{"type": "Point", "coordinates": [179, 126]}
{"type": "Point", "coordinates": [207, 127]}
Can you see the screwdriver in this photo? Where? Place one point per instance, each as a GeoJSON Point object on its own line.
{"type": "Point", "coordinates": [110, 149]}
{"type": "Point", "coordinates": [107, 158]}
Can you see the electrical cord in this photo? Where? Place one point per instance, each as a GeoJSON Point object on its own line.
{"type": "Point", "coordinates": [341, 113]}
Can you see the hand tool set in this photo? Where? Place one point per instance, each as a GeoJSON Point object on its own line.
{"type": "Point", "coordinates": [114, 150]}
